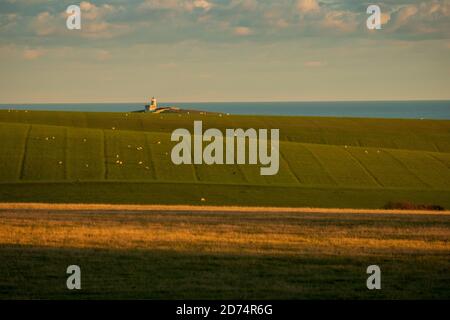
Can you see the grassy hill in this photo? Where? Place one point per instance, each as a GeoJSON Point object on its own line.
{"type": "Point", "coordinates": [125, 158]}
{"type": "Point", "coordinates": [74, 157]}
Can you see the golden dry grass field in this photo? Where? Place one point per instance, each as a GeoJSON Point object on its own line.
{"type": "Point", "coordinates": [169, 253]}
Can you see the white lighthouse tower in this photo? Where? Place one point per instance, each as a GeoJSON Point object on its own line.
{"type": "Point", "coordinates": [153, 105]}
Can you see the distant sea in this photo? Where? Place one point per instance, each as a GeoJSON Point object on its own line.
{"type": "Point", "coordinates": [369, 109]}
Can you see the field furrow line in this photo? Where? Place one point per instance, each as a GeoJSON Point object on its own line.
{"type": "Point", "coordinates": [435, 146]}
{"type": "Point", "coordinates": [24, 153]}
{"type": "Point", "coordinates": [105, 156]}
{"type": "Point", "coordinates": [437, 159]}
{"type": "Point", "coordinates": [365, 169]}
{"type": "Point", "coordinates": [238, 167]}
{"type": "Point", "coordinates": [288, 165]}
{"type": "Point", "coordinates": [66, 149]}
{"type": "Point", "coordinates": [407, 169]}
{"type": "Point", "coordinates": [242, 173]}
{"type": "Point", "coordinates": [194, 170]}
{"type": "Point", "coordinates": [321, 165]}
{"type": "Point", "coordinates": [150, 157]}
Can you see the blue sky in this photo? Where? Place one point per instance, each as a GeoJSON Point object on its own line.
{"type": "Point", "coordinates": [223, 50]}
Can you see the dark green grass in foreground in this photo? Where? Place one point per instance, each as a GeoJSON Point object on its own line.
{"type": "Point", "coordinates": [39, 273]}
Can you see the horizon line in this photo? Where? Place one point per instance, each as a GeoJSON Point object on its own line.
{"type": "Point", "coordinates": [236, 101]}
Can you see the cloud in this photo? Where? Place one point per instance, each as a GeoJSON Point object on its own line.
{"type": "Point", "coordinates": [385, 17]}
{"type": "Point", "coordinates": [247, 5]}
{"type": "Point", "coordinates": [86, 6]}
{"type": "Point", "coordinates": [342, 21]}
{"type": "Point", "coordinates": [242, 31]}
{"type": "Point", "coordinates": [277, 18]}
{"type": "Point", "coordinates": [221, 21]}
{"type": "Point", "coordinates": [161, 4]}
{"type": "Point", "coordinates": [425, 18]}
{"type": "Point", "coordinates": [307, 6]}
{"type": "Point", "coordinates": [104, 30]}
{"type": "Point", "coordinates": [94, 22]}
{"type": "Point", "coordinates": [46, 24]}
{"type": "Point", "coordinates": [32, 54]}
{"type": "Point", "coordinates": [405, 14]}
{"type": "Point", "coordinates": [203, 4]}
{"type": "Point", "coordinates": [7, 20]}
{"type": "Point", "coordinates": [90, 11]}
{"type": "Point", "coordinates": [177, 5]}
{"type": "Point", "coordinates": [314, 64]}
{"type": "Point", "coordinates": [436, 8]}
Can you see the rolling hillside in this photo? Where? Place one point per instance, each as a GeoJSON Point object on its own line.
{"type": "Point", "coordinates": [125, 158]}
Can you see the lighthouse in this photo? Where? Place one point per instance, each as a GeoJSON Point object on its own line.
{"type": "Point", "coordinates": [153, 105]}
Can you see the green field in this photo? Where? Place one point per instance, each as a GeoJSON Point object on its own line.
{"type": "Point", "coordinates": [87, 157]}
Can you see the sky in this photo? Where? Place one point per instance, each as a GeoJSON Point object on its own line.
{"type": "Point", "coordinates": [223, 50]}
